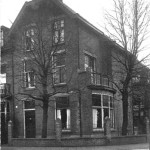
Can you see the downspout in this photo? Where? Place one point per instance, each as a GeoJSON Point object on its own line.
{"type": "Point", "coordinates": [80, 102]}
{"type": "Point", "coordinates": [13, 91]}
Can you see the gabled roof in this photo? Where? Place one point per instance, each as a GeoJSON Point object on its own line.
{"type": "Point", "coordinates": [71, 13]}
{"type": "Point", "coordinates": [62, 6]}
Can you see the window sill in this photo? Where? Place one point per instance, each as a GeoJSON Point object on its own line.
{"type": "Point", "coordinates": [66, 130]}
{"type": "Point", "coordinates": [58, 44]}
{"type": "Point", "coordinates": [29, 88]}
{"type": "Point", "coordinates": [29, 50]}
{"type": "Point", "coordinates": [102, 130]}
{"type": "Point", "coordinates": [60, 84]}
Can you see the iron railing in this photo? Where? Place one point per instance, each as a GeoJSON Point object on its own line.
{"type": "Point", "coordinates": [99, 79]}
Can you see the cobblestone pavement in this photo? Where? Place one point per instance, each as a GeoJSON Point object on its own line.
{"type": "Point", "coordinates": [120, 147]}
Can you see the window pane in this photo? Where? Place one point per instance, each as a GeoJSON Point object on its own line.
{"type": "Point", "coordinates": [56, 37]}
{"type": "Point", "coordinates": [96, 100]}
{"type": "Point", "coordinates": [62, 35]}
{"type": "Point", "coordinates": [32, 78]}
{"type": "Point", "coordinates": [90, 62]}
{"type": "Point", "coordinates": [112, 117]}
{"type": "Point", "coordinates": [111, 102]}
{"type": "Point", "coordinates": [105, 81]}
{"type": "Point", "coordinates": [99, 118]}
{"type": "Point", "coordinates": [94, 118]}
{"type": "Point", "coordinates": [64, 118]}
{"type": "Point", "coordinates": [62, 23]}
{"type": "Point", "coordinates": [62, 74]}
{"type": "Point", "coordinates": [58, 31]}
{"type": "Point", "coordinates": [106, 112]}
{"type": "Point", "coordinates": [56, 76]}
{"type": "Point", "coordinates": [105, 100]}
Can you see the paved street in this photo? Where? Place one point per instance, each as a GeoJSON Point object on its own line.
{"type": "Point", "coordinates": [120, 147]}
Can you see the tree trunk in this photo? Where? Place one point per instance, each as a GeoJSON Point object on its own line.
{"type": "Point", "coordinates": [125, 113]}
{"type": "Point", "coordinates": [45, 116]}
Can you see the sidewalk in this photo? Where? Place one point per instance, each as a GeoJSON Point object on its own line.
{"type": "Point", "coordinates": [118, 147]}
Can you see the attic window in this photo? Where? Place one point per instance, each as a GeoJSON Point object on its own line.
{"type": "Point", "coordinates": [29, 39]}
{"type": "Point", "coordinates": [58, 34]}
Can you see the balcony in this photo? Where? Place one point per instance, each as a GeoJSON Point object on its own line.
{"type": "Point", "coordinates": [99, 81]}
{"type": "Point", "coordinates": [4, 89]}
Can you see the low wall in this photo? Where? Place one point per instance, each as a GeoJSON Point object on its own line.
{"type": "Point", "coordinates": [70, 142]}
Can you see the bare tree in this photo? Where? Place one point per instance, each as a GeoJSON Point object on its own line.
{"type": "Point", "coordinates": [128, 25]}
{"type": "Point", "coordinates": [43, 54]}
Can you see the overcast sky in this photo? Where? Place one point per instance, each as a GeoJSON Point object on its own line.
{"type": "Point", "coordinates": [92, 10]}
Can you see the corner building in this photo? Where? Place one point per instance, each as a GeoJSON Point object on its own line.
{"type": "Point", "coordinates": [85, 94]}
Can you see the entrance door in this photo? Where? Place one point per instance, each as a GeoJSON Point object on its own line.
{"type": "Point", "coordinates": [30, 123]}
{"type": "Point", "coordinates": [4, 122]}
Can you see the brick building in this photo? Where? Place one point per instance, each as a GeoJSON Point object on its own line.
{"type": "Point", "coordinates": [79, 78]}
{"type": "Point", "coordinates": [4, 87]}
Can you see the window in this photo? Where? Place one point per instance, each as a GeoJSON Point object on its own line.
{"type": "Point", "coordinates": [3, 73]}
{"type": "Point", "coordinates": [136, 79]}
{"type": "Point", "coordinates": [29, 39]}
{"type": "Point", "coordinates": [89, 63]}
{"type": "Point", "coordinates": [59, 75]}
{"type": "Point", "coordinates": [58, 35]}
{"type": "Point", "coordinates": [28, 75]}
{"type": "Point", "coordinates": [63, 111]}
{"type": "Point", "coordinates": [103, 106]}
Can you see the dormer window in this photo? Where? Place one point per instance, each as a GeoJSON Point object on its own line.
{"type": "Point", "coordinates": [29, 39]}
{"type": "Point", "coordinates": [58, 34]}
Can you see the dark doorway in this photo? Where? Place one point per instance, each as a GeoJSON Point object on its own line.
{"type": "Point", "coordinates": [4, 122]}
{"type": "Point", "coordinates": [30, 123]}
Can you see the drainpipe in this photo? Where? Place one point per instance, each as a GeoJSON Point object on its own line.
{"type": "Point", "coordinates": [13, 92]}
{"type": "Point", "coordinates": [80, 105]}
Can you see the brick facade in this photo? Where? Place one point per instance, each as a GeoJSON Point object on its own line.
{"type": "Point", "coordinates": [81, 39]}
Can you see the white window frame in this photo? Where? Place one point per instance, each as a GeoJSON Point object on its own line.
{"type": "Point", "coordinates": [27, 84]}
{"type": "Point", "coordinates": [57, 115]}
{"type": "Point", "coordinates": [102, 111]}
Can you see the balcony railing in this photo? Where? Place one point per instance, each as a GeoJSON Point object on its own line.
{"type": "Point", "coordinates": [5, 89]}
{"type": "Point", "coordinates": [100, 80]}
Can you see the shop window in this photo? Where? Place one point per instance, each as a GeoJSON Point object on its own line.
{"type": "Point", "coordinates": [63, 111]}
{"type": "Point", "coordinates": [102, 107]}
